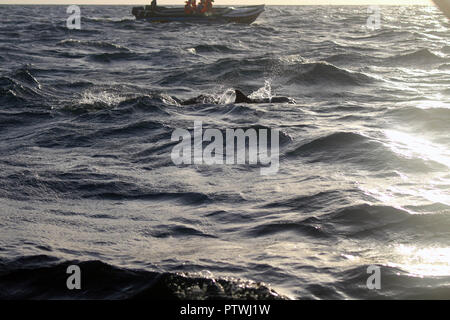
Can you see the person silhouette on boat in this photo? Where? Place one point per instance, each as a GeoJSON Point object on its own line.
{"type": "Point", "coordinates": [205, 6]}
{"type": "Point", "coordinates": [190, 7]}
{"type": "Point", "coordinates": [153, 5]}
{"type": "Point", "coordinates": [209, 5]}
{"type": "Point", "coordinates": [200, 6]}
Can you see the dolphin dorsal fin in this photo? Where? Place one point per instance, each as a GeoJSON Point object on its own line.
{"type": "Point", "coordinates": [241, 98]}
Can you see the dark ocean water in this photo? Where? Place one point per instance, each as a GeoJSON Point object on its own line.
{"type": "Point", "coordinates": [86, 118]}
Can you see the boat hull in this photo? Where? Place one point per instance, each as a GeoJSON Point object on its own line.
{"type": "Point", "coordinates": [245, 15]}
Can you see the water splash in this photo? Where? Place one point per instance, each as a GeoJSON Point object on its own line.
{"type": "Point", "coordinates": [263, 92]}
{"type": "Point", "coordinates": [229, 96]}
{"type": "Point", "coordinates": [102, 97]}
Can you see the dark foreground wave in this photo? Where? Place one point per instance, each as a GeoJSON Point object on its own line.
{"type": "Point", "coordinates": [43, 277]}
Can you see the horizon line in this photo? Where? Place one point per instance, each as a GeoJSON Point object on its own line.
{"type": "Point", "coordinates": [267, 5]}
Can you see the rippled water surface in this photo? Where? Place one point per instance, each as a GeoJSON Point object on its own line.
{"type": "Point", "coordinates": [86, 118]}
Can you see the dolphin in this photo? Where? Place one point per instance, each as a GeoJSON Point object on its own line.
{"type": "Point", "coordinates": [240, 98]}
{"type": "Point", "coordinates": [201, 99]}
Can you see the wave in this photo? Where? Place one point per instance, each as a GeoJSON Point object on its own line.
{"type": "Point", "coordinates": [395, 283]}
{"type": "Point", "coordinates": [230, 110]}
{"type": "Point", "coordinates": [300, 228]}
{"type": "Point", "coordinates": [444, 67]}
{"type": "Point", "coordinates": [109, 191]}
{"type": "Point", "coordinates": [385, 35]}
{"type": "Point", "coordinates": [338, 140]}
{"type": "Point", "coordinates": [445, 49]}
{"type": "Point", "coordinates": [91, 186]}
{"type": "Point", "coordinates": [284, 138]}
{"type": "Point", "coordinates": [355, 220]}
{"type": "Point", "coordinates": [386, 222]}
{"type": "Point", "coordinates": [420, 57]}
{"type": "Point", "coordinates": [440, 208]}
{"type": "Point", "coordinates": [222, 70]}
{"type": "Point", "coordinates": [20, 87]}
{"type": "Point", "coordinates": [119, 20]}
{"type": "Point", "coordinates": [357, 149]}
{"type": "Point", "coordinates": [13, 120]}
{"type": "Point", "coordinates": [320, 201]}
{"type": "Point", "coordinates": [325, 73]}
{"type": "Point", "coordinates": [51, 28]}
{"type": "Point", "coordinates": [44, 277]}
{"type": "Point", "coordinates": [432, 119]}
{"type": "Point", "coordinates": [113, 57]}
{"type": "Point", "coordinates": [232, 71]}
{"type": "Point", "coordinates": [360, 221]}
{"type": "Point", "coordinates": [128, 103]}
{"type": "Point", "coordinates": [165, 231]}
{"type": "Point", "coordinates": [348, 58]}
{"type": "Point", "coordinates": [154, 103]}
{"type": "Point", "coordinates": [103, 45]}
{"type": "Point", "coordinates": [69, 135]}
